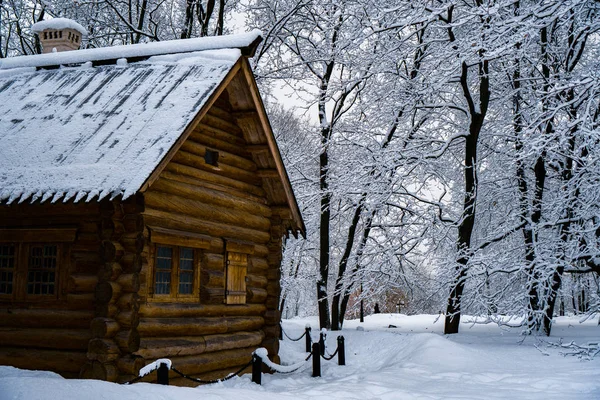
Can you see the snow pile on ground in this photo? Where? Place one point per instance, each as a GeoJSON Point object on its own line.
{"type": "Point", "coordinates": [390, 356]}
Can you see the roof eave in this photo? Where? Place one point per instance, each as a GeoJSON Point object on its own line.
{"type": "Point", "coordinates": [274, 149]}
{"type": "Point", "coordinates": [250, 50]}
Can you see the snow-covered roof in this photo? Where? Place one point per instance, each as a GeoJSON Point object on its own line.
{"type": "Point", "coordinates": [58, 24]}
{"type": "Point", "coordinates": [82, 133]}
{"type": "Point", "coordinates": [244, 41]}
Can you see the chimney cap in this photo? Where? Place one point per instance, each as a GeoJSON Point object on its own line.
{"type": "Point", "coordinates": [58, 24]}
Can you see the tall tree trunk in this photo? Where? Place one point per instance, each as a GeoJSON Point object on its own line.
{"type": "Point", "coordinates": [141, 19]}
{"type": "Point", "coordinates": [565, 228]}
{"type": "Point", "coordinates": [130, 19]}
{"type": "Point", "coordinates": [576, 42]}
{"type": "Point", "coordinates": [186, 30]}
{"type": "Point", "coordinates": [529, 216]}
{"type": "Point", "coordinates": [533, 274]}
{"type": "Point", "coordinates": [534, 311]}
{"type": "Point", "coordinates": [324, 220]}
{"type": "Point", "coordinates": [220, 20]}
{"type": "Point", "coordinates": [323, 302]}
{"type": "Point", "coordinates": [325, 216]}
{"type": "Point", "coordinates": [336, 315]}
{"type": "Point", "coordinates": [359, 253]}
{"type": "Point", "coordinates": [205, 20]}
{"type": "Point", "coordinates": [465, 229]}
{"type": "Point", "coordinates": [528, 219]}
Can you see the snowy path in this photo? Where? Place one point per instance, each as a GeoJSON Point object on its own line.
{"type": "Point", "coordinates": [412, 361]}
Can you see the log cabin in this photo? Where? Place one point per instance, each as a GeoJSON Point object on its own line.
{"type": "Point", "coordinates": [143, 207]}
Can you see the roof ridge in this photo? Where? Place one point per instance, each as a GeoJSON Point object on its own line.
{"type": "Point", "coordinates": [246, 42]}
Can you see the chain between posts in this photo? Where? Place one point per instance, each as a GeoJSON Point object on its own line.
{"type": "Point", "coordinates": [317, 352]}
{"type": "Point", "coordinates": [197, 380]}
{"type": "Point", "coordinates": [306, 332]}
{"type": "Point", "coordinates": [306, 335]}
{"type": "Point", "coordinates": [259, 357]}
{"type": "Point", "coordinates": [162, 374]}
{"type": "Point", "coordinates": [330, 357]}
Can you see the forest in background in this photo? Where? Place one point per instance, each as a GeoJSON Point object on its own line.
{"type": "Point", "coordinates": [445, 153]}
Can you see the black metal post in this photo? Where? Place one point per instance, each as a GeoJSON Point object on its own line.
{"type": "Point", "coordinates": [280, 331]}
{"type": "Point", "coordinates": [362, 309]}
{"type": "Point", "coordinates": [162, 374]}
{"type": "Point", "coordinates": [322, 343]}
{"type": "Point", "coordinates": [256, 369]}
{"type": "Point", "coordinates": [341, 351]}
{"type": "Point", "coordinates": [316, 357]}
{"type": "Point", "coordinates": [308, 339]}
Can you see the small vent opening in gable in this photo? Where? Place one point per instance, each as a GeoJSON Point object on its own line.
{"type": "Point", "coordinates": [211, 157]}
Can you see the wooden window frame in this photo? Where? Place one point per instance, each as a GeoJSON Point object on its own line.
{"type": "Point", "coordinates": [176, 240]}
{"type": "Point", "coordinates": [13, 283]}
{"type": "Point", "coordinates": [23, 240]}
{"type": "Point", "coordinates": [174, 295]}
{"type": "Point", "coordinates": [40, 270]}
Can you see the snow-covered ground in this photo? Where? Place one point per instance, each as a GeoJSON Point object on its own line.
{"type": "Point", "coordinates": [412, 361]}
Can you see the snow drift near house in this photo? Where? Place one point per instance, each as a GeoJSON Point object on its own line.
{"type": "Point", "coordinates": [412, 361]}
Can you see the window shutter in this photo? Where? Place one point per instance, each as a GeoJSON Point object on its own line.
{"type": "Point", "coordinates": [237, 267]}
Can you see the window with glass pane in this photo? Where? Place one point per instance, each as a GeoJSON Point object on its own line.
{"type": "Point", "coordinates": [41, 275]}
{"type": "Point", "coordinates": [186, 270]}
{"type": "Point", "coordinates": [7, 266]}
{"type": "Point", "coordinates": [164, 262]}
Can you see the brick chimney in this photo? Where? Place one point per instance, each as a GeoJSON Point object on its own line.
{"type": "Point", "coordinates": [59, 34]}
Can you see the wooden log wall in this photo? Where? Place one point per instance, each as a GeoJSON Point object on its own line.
{"type": "Point", "coordinates": [273, 289]}
{"type": "Point", "coordinates": [54, 335]}
{"type": "Point", "coordinates": [223, 203]}
{"type": "Point", "coordinates": [114, 330]}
